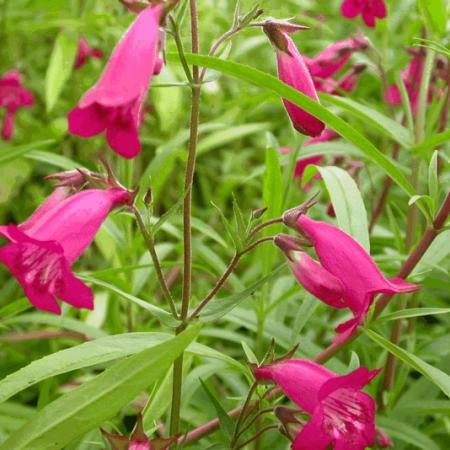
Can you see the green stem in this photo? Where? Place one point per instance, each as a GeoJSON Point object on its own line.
{"type": "Point", "coordinates": [187, 228]}
{"type": "Point", "coordinates": [148, 238]}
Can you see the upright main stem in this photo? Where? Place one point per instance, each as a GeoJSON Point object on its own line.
{"type": "Point", "coordinates": [187, 229]}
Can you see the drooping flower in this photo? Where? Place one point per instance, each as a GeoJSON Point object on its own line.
{"type": "Point", "coordinates": [348, 262]}
{"type": "Point", "coordinates": [114, 105]}
{"type": "Point", "coordinates": [292, 70]}
{"type": "Point", "coordinates": [370, 10]}
{"type": "Point", "coordinates": [85, 52]}
{"type": "Point", "coordinates": [41, 250]}
{"type": "Point", "coordinates": [12, 97]}
{"type": "Point", "coordinates": [333, 58]}
{"type": "Point", "coordinates": [341, 414]}
{"type": "Point", "coordinates": [138, 439]}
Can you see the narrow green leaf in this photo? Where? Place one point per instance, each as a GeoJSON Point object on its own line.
{"type": "Point", "coordinates": [432, 142]}
{"type": "Point", "coordinates": [249, 354]}
{"type": "Point", "coordinates": [9, 153]}
{"type": "Point", "coordinates": [226, 423]}
{"type": "Point", "coordinates": [439, 378]}
{"type": "Point", "coordinates": [372, 117]}
{"type": "Point", "coordinates": [413, 312]}
{"type": "Point", "coordinates": [60, 66]}
{"type": "Point", "coordinates": [406, 433]}
{"type": "Point", "coordinates": [347, 203]}
{"type": "Point", "coordinates": [162, 315]}
{"type": "Point", "coordinates": [61, 322]}
{"type": "Point", "coordinates": [231, 134]}
{"type": "Point", "coordinates": [433, 182]}
{"type": "Point", "coordinates": [54, 159]}
{"type": "Point", "coordinates": [99, 399]}
{"type": "Point", "coordinates": [271, 83]}
{"type": "Point", "coordinates": [99, 351]}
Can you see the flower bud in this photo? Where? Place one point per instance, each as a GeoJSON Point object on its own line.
{"type": "Point", "coordinates": [290, 244]}
{"type": "Point", "coordinates": [292, 421]}
{"type": "Point", "coordinates": [291, 216]}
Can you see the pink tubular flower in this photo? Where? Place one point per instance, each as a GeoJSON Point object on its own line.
{"type": "Point", "coordinates": [368, 9]}
{"type": "Point", "coordinates": [348, 262]}
{"type": "Point", "coordinates": [341, 414]}
{"type": "Point", "coordinates": [12, 96]}
{"type": "Point", "coordinates": [42, 249]}
{"type": "Point", "coordinates": [114, 104]}
{"type": "Point", "coordinates": [333, 58]}
{"type": "Point", "coordinates": [85, 52]}
{"type": "Point", "coordinates": [293, 71]}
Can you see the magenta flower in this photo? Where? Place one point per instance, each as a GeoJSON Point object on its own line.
{"type": "Point", "coordinates": [115, 103]}
{"type": "Point", "coordinates": [85, 52]}
{"type": "Point", "coordinates": [42, 249]}
{"type": "Point", "coordinates": [293, 71]}
{"type": "Point", "coordinates": [370, 10]}
{"type": "Point", "coordinates": [342, 416]}
{"type": "Point", "coordinates": [345, 260]}
{"type": "Point", "coordinates": [12, 96]}
{"type": "Point", "coordinates": [333, 58]}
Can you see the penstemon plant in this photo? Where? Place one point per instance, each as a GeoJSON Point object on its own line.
{"type": "Point", "coordinates": [179, 288]}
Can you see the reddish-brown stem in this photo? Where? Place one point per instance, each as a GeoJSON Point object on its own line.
{"type": "Point", "coordinates": [229, 270]}
{"type": "Point", "coordinates": [263, 225]}
{"type": "Point", "coordinates": [428, 237]}
{"type": "Point", "coordinates": [259, 433]}
{"type": "Point", "coordinates": [187, 225]}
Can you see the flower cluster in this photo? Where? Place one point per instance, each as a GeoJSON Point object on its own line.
{"type": "Point", "coordinates": [347, 277]}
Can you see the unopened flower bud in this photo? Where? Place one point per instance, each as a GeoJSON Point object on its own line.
{"type": "Point", "coordinates": [72, 178]}
{"type": "Point", "coordinates": [257, 213]}
{"type": "Point", "coordinates": [148, 197]}
{"type": "Point", "coordinates": [292, 421]}
{"type": "Point", "coordinates": [290, 216]}
{"type": "Point", "coordinates": [289, 244]}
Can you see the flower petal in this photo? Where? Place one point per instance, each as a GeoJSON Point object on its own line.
{"type": "Point", "coordinates": [11, 255]}
{"type": "Point", "coordinates": [75, 292]}
{"type": "Point", "coordinates": [87, 122]}
{"type": "Point", "coordinates": [124, 140]}
{"type": "Point", "coordinates": [131, 64]}
{"type": "Point", "coordinates": [300, 380]}
{"type": "Point", "coordinates": [312, 437]}
{"type": "Point", "coordinates": [317, 280]}
{"type": "Point", "coordinates": [354, 380]}
{"type": "Point", "coordinates": [351, 8]}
